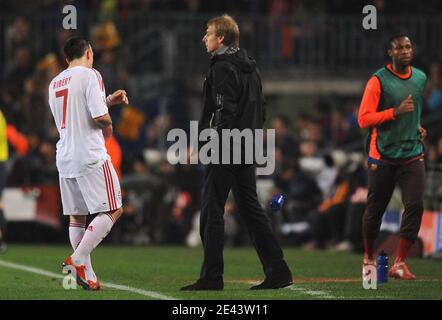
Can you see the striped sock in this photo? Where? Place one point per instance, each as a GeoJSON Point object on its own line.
{"type": "Point", "coordinates": [76, 233]}
{"type": "Point", "coordinates": [95, 233]}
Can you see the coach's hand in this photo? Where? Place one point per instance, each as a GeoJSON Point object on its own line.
{"type": "Point", "coordinates": [119, 96]}
{"type": "Point", "coordinates": [405, 106]}
{"type": "Point", "coordinates": [422, 133]}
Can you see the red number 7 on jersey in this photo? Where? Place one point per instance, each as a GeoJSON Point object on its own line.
{"type": "Point", "coordinates": [63, 93]}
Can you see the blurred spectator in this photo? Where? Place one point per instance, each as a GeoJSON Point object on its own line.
{"type": "Point", "coordinates": [328, 174]}
{"type": "Point", "coordinates": [105, 36]}
{"type": "Point", "coordinates": [129, 128]}
{"type": "Point", "coordinates": [310, 161]}
{"type": "Point", "coordinates": [34, 106]}
{"type": "Point", "coordinates": [352, 239]}
{"type": "Point", "coordinates": [112, 69]}
{"type": "Point", "coordinates": [18, 35]}
{"type": "Point", "coordinates": [4, 155]}
{"type": "Point", "coordinates": [38, 166]}
{"type": "Point", "coordinates": [114, 150]}
{"type": "Point", "coordinates": [17, 140]}
{"type": "Point", "coordinates": [185, 183]}
{"type": "Point", "coordinates": [108, 10]}
{"type": "Point", "coordinates": [328, 221]}
{"type": "Point", "coordinates": [433, 89]}
{"type": "Point", "coordinates": [284, 137]}
{"type": "Point", "coordinates": [21, 67]}
{"type": "Point", "coordinates": [309, 129]}
{"type": "Point", "coordinates": [302, 195]}
{"type": "Point", "coordinates": [438, 158]}
{"type": "Point", "coordinates": [340, 127]}
{"type": "Point", "coordinates": [156, 132]}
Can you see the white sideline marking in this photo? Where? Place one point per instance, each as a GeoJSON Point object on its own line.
{"type": "Point", "coordinates": [319, 294]}
{"type": "Point", "coordinates": [315, 293]}
{"type": "Point", "coordinates": [151, 294]}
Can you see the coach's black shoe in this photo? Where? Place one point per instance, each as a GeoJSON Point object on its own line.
{"type": "Point", "coordinates": [209, 285]}
{"type": "Point", "coordinates": [279, 278]}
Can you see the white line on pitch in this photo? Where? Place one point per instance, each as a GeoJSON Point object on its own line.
{"type": "Point", "coordinates": [315, 293]}
{"type": "Point", "coordinates": [151, 294]}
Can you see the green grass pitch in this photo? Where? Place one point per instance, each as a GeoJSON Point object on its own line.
{"type": "Point", "coordinates": [163, 270]}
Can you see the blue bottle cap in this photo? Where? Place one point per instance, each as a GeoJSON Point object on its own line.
{"type": "Point", "coordinates": [382, 258]}
{"type": "Point", "coordinates": [277, 202]}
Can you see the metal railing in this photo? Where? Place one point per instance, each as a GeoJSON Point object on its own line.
{"type": "Point", "coordinates": [170, 43]}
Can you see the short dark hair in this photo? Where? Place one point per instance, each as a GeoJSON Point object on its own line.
{"type": "Point", "coordinates": [75, 48]}
{"type": "Point", "coordinates": [394, 38]}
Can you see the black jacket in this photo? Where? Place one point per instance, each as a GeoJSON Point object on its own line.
{"type": "Point", "coordinates": [232, 93]}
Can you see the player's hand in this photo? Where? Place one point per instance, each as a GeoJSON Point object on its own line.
{"type": "Point", "coordinates": [119, 96]}
{"type": "Point", "coordinates": [422, 133]}
{"type": "Point", "coordinates": [406, 106]}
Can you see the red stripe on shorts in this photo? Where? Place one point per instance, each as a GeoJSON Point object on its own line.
{"type": "Point", "coordinates": [106, 179]}
{"type": "Point", "coordinates": [112, 184]}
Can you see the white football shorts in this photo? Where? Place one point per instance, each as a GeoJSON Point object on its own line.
{"type": "Point", "coordinates": [99, 191]}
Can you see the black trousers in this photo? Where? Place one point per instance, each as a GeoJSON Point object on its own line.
{"type": "Point", "coordinates": [381, 182]}
{"type": "Point", "coordinates": [219, 179]}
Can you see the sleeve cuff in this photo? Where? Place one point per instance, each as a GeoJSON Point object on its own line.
{"type": "Point", "coordinates": [391, 114]}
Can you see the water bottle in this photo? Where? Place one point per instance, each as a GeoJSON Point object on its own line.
{"type": "Point", "coordinates": [277, 202]}
{"type": "Point", "coordinates": [382, 267]}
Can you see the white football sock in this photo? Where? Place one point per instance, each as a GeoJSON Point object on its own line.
{"type": "Point", "coordinates": [76, 233]}
{"type": "Point", "coordinates": [95, 233]}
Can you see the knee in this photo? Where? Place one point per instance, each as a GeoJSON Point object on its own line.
{"type": "Point", "coordinates": [78, 219]}
{"type": "Point", "coordinates": [215, 220]}
{"type": "Point", "coordinates": [120, 212]}
{"type": "Point", "coordinates": [117, 213]}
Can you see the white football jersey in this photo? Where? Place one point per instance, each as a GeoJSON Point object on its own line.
{"type": "Point", "coordinates": [76, 96]}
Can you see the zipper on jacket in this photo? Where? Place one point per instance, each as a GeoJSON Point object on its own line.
{"type": "Point", "coordinates": [211, 119]}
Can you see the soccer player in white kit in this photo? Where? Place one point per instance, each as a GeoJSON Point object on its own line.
{"type": "Point", "coordinates": [88, 181]}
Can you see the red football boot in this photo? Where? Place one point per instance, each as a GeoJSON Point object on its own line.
{"type": "Point", "coordinates": [80, 272]}
{"type": "Point", "coordinates": [94, 285]}
{"type": "Point", "coordinates": [400, 271]}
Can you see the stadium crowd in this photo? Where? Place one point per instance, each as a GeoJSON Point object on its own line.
{"type": "Point", "coordinates": [126, 7]}
{"type": "Point", "coordinates": [325, 190]}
